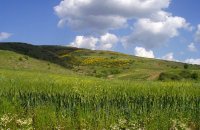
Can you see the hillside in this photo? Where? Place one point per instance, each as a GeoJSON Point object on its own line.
{"type": "Point", "coordinates": [101, 64]}
{"type": "Point", "coordinates": [14, 61]}
{"type": "Point", "coordinates": [45, 87]}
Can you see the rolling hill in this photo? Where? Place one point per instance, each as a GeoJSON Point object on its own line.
{"type": "Point", "coordinates": [65, 88]}
{"type": "Point", "coordinates": [101, 64]}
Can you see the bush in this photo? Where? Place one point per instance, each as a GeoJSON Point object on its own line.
{"type": "Point", "coordinates": [20, 59]}
{"type": "Point", "coordinates": [113, 57]}
{"type": "Point", "coordinates": [23, 58]}
{"type": "Point", "coordinates": [194, 76]}
{"type": "Point", "coordinates": [186, 66]}
{"type": "Point", "coordinates": [168, 76]}
{"type": "Point", "coordinates": [161, 76]}
{"type": "Point", "coordinates": [115, 71]}
{"type": "Point", "coordinates": [175, 77]}
{"type": "Point", "coordinates": [183, 75]}
{"type": "Point", "coordinates": [105, 72]}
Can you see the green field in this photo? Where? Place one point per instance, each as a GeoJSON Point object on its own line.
{"type": "Point", "coordinates": [81, 89]}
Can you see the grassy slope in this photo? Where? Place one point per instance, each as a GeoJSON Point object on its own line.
{"type": "Point", "coordinates": [14, 61]}
{"type": "Point", "coordinates": [40, 87]}
{"type": "Point", "coordinates": [106, 64]}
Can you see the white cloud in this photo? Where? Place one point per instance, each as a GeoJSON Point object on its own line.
{"type": "Point", "coordinates": [4, 35]}
{"type": "Point", "coordinates": [85, 42]}
{"type": "Point", "coordinates": [192, 48]}
{"type": "Point", "coordinates": [105, 42]}
{"type": "Point", "coordinates": [152, 25]}
{"type": "Point", "coordinates": [193, 61]}
{"type": "Point", "coordinates": [103, 15]}
{"type": "Point", "coordinates": [153, 32]}
{"type": "Point", "coordinates": [169, 57]}
{"type": "Point", "coordinates": [142, 52]}
{"type": "Point", "coordinates": [197, 34]}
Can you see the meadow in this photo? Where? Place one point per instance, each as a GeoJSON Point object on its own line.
{"type": "Point", "coordinates": [65, 88]}
{"type": "Point", "coordinates": [36, 100]}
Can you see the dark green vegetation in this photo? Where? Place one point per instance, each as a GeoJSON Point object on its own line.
{"type": "Point", "coordinates": [45, 87]}
{"type": "Point", "coordinates": [182, 75]}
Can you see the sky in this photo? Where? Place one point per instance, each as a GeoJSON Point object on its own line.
{"type": "Point", "coordinates": [162, 29]}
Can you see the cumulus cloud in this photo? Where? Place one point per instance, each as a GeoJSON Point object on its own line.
{"type": "Point", "coordinates": [197, 34]}
{"type": "Point", "coordinates": [193, 61]}
{"type": "Point", "coordinates": [104, 15]}
{"type": "Point", "coordinates": [169, 57]}
{"type": "Point", "coordinates": [4, 35]}
{"type": "Point", "coordinates": [192, 47]}
{"type": "Point", "coordinates": [105, 42]}
{"type": "Point", "coordinates": [142, 52]}
{"type": "Point", "coordinates": [153, 32]}
{"type": "Point", "coordinates": [85, 42]}
{"type": "Point", "coordinates": [152, 26]}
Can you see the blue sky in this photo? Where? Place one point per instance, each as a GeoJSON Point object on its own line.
{"type": "Point", "coordinates": [167, 29]}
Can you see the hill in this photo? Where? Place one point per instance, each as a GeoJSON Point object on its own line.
{"type": "Point", "coordinates": [101, 64]}
{"type": "Point", "coordinates": [10, 60]}
{"type": "Point", "coordinates": [45, 87]}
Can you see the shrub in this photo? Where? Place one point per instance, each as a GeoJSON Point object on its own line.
{"type": "Point", "coordinates": [105, 72]}
{"type": "Point", "coordinates": [186, 66]}
{"type": "Point", "coordinates": [194, 76]}
{"type": "Point", "coordinates": [168, 76]}
{"type": "Point", "coordinates": [114, 71]}
{"type": "Point", "coordinates": [113, 57]}
{"type": "Point", "coordinates": [185, 74]}
{"type": "Point", "coordinates": [20, 59]}
{"type": "Point", "coordinates": [163, 76]}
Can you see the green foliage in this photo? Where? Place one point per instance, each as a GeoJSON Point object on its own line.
{"type": "Point", "coordinates": [20, 58]}
{"type": "Point", "coordinates": [15, 61]}
{"type": "Point", "coordinates": [103, 73]}
{"type": "Point", "coordinates": [53, 101]}
{"type": "Point", "coordinates": [189, 75]}
{"type": "Point", "coordinates": [185, 74]}
{"type": "Point", "coordinates": [168, 76]}
{"type": "Point", "coordinates": [186, 66]}
{"type": "Point", "coordinates": [194, 76]}
{"type": "Point", "coordinates": [182, 75]}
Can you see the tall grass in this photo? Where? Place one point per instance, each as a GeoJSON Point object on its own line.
{"type": "Point", "coordinates": [62, 102]}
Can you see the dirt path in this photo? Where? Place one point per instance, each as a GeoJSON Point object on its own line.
{"type": "Point", "coordinates": [154, 76]}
